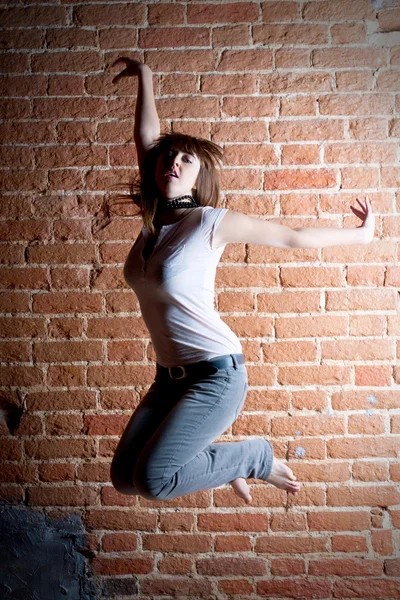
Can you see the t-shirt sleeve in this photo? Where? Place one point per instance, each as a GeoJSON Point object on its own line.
{"type": "Point", "coordinates": [210, 219]}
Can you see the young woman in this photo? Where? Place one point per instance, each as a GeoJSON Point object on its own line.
{"type": "Point", "coordinates": [167, 448]}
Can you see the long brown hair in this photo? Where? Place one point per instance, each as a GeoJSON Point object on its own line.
{"type": "Point", "coordinates": [144, 191]}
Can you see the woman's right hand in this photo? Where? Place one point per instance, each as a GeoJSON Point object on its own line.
{"type": "Point", "coordinates": [133, 67]}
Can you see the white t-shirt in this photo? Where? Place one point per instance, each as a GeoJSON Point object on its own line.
{"type": "Point", "coordinates": [175, 289]}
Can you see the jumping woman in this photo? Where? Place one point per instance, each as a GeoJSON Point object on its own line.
{"type": "Point", "coordinates": [167, 449]}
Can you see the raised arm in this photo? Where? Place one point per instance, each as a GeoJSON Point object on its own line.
{"type": "Point", "coordinates": [147, 123]}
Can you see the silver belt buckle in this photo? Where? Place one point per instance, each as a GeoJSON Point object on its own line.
{"type": "Point", "coordinates": [179, 376]}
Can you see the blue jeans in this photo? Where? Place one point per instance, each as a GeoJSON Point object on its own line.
{"type": "Point", "coordinates": [166, 449]}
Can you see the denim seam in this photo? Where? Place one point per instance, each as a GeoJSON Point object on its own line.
{"type": "Point", "coordinates": [197, 426]}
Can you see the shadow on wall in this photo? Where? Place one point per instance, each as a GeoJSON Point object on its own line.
{"type": "Point", "coordinates": [43, 558]}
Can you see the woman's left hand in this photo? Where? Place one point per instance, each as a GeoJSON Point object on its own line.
{"type": "Point", "coordinates": [367, 217]}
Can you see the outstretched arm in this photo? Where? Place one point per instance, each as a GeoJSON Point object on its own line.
{"type": "Point", "coordinates": [237, 227]}
{"type": "Point", "coordinates": [147, 123]}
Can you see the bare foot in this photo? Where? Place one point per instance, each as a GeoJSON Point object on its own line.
{"type": "Point", "coordinates": [241, 489]}
{"type": "Point", "coordinates": [283, 478]}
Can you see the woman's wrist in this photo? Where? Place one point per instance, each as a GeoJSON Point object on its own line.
{"type": "Point", "coordinates": [145, 70]}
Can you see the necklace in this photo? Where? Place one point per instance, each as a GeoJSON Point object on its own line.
{"type": "Point", "coordinates": [177, 202]}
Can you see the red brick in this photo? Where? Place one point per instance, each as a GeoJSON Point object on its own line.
{"type": "Point", "coordinates": [115, 327]}
{"type": "Point", "coordinates": [53, 108]}
{"type": "Point", "coordinates": [62, 254]}
{"type": "Point", "coordinates": [294, 106]}
{"type": "Point", "coordinates": [368, 129]}
{"type": "Point", "coordinates": [67, 302]}
{"type": "Point", "coordinates": [249, 107]}
{"type": "Point", "coordinates": [194, 107]}
{"type": "Point", "coordinates": [63, 425]}
{"type": "Point", "coordinates": [231, 587]}
{"type": "Point", "coordinates": [387, 81]}
{"type": "Point", "coordinates": [25, 230]}
{"type": "Point", "coordinates": [173, 37]}
{"type": "Point", "coordinates": [166, 14]}
{"type": "Point", "coordinates": [349, 33]}
{"type": "Point", "coordinates": [103, 565]}
{"type": "Point", "coordinates": [309, 426]}
{"type": "Point", "coordinates": [394, 128]}
{"type": "Point", "coordinates": [50, 62]}
{"type": "Point", "coordinates": [338, 10]}
{"type": "Point", "coordinates": [115, 14]}
{"type": "Point", "coordinates": [15, 352]}
{"type": "Point", "coordinates": [282, 567]}
{"type": "Point", "coordinates": [278, 12]}
{"type": "Point", "coordinates": [366, 424]}
{"type": "Point", "coordinates": [24, 278]}
{"type": "Point", "coordinates": [259, 59]}
{"type": "Point", "coordinates": [68, 375]}
{"type": "Point", "coordinates": [238, 132]}
{"type": "Point", "coordinates": [18, 473]}
{"type": "Point", "coordinates": [359, 177]}
{"type": "Point", "coordinates": [291, 545]}
{"type": "Point", "coordinates": [346, 567]}
{"type": "Point", "coordinates": [389, 20]}
{"type": "Point", "coordinates": [32, 16]}
{"type": "Point", "coordinates": [349, 543]}
{"type": "Point", "coordinates": [292, 58]}
{"type": "Point", "coordinates": [191, 588]}
{"type": "Point", "coordinates": [293, 588]}
{"type": "Point", "coordinates": [181, 60]}
{"type": "Point", "coordinates": [116, 520]}
{"type": "Point", "coordinates": [356, 104]}
{"type": "Point", "coordinates": [304, 154]}
{"type": "Point", "coordinates": [256, 522]}
{"type": "Point", "coordinates": [127, 38]}
{"type": "Point", "coordinates": [250, 154]}
{"type": "Point", "coordinates": [362, 447]}
{"type": "Point", "coordinates": [395, 56]}
{"type": "Point", "coordinates": [390, 177]}
{"type": "Point", "coordinates": [223, 35]}
{"type": "Point", "coordinates": [241, 179]}
{"type": "Point", "coordinates": [64, 328]}
{"type": "Point", "coordinates": [307, 130]}
{"type": "Point", "coordinates": [293, 33]}
{"type": "Point", "coordinates": [60, 448]}
{"type": "Point", "coordinates": [119, 375]}
{"type": "Point", "coordinates": [13, 108]}
{"type": "Point", "coordinates": [65, 37]}
{"type": "Point", "coordinates": [314, 375]}
{"type": "Point", "coordinates": [119, 542]}
{"type": "Point", "coordinates": [57, 472]}
{"type": "Point", "coordinates": [339, 58]}
{"type": "Point", "coordinates": [229, 84]}
{"type": "Point", "coordinates": [296, 179]}
{"type": "Point", "coordinates": [77, 400]}
{"type": "Point", "coordinates": [18, 39]}
{"type": "Point", "coordinates": [21, 376]}
{"type": "Point", "coordinates": [222, 13]}
{"type": "Point", "coordinates": [177, 543]}
{"type": "Point", "coordinates": [355, 81]}
{"type": "Point", "coordinates": [382, 543]}
{"type": "Point", "coordinates": [70, 351]}
{"type": "Point", "coordinates": [285, 83]}
{"type": "Point", "coordinates": [367, 152]}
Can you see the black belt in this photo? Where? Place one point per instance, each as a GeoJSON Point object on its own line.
{"type": "Point", "coordinates": [203, 367]}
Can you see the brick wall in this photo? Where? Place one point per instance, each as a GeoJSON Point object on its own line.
{"type": "Point", "coordinates": [304, 97]}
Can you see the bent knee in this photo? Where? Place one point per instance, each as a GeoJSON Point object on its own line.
{"type": "Point", "coordinates": [151, 488]}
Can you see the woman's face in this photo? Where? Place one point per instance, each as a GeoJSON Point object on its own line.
{"type": "Point", "coordinates": [176, 173]}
